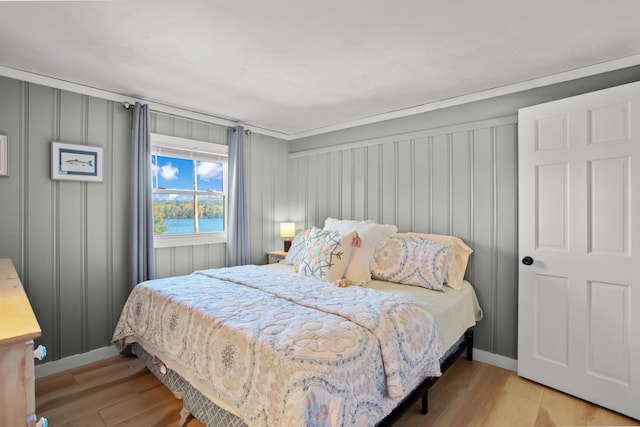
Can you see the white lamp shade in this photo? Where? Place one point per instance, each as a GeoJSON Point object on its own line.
{"type": "Point", "coordinates": [287, 229]}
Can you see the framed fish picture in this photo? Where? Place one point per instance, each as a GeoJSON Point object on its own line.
{"type": "Point", "coordinates": [76, 162]}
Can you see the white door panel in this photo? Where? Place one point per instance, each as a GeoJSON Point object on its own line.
{"type": "Point", "coordinates": [579, 220]}
{"type": "Point", "coordinates": [551, 323]}
{"type": "Point", "coordinates": [608, 206]}
{"type": "Point", "coordinates": [608, 331]}
{"type": "Point", "coordinates": [552, 206]}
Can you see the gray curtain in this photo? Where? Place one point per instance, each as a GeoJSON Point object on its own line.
{"type": "Point", "coordinates": [237, 213]}
{"type": "Point", "coordinates": [142, 257]}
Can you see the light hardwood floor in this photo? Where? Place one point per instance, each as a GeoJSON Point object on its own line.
{"type": "Point", "coordinates": [120, 391]}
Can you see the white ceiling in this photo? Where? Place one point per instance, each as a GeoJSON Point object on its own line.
{"type": "Point", "coordinates": [297, 67]}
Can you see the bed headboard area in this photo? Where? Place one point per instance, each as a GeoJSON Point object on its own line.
{"type": "Point", "coordinates": [459, 180]}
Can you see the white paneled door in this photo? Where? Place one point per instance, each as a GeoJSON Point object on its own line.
{"type": "Point", "coordinates": [579, 246]}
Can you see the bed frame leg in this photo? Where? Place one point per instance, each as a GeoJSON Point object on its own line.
{"type": "Point", "coordinates": [469, 336]}
{"type": "Point", "coordinates": [425, 401]}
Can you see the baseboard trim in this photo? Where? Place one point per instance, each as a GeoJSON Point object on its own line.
{"type": "Point", "coordinates": [78, 360]}
{"type": "Point", "coordinates": [495, 359]}
{"type": "Point", "coordinates": [75, 361]}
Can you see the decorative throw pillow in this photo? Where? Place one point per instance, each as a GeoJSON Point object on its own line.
{"type": "Point", "coordinates": [297, 249]}
{"type": "Point", "coordinates": [372, 235]}
{"type": "Point", "coordinates": [326, 254]}
{"type": "Point", "coordinates": [413, 261]}
{"type": "Point", "coordinates": [459, 257]}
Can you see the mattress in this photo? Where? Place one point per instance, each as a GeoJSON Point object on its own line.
{"type": "Point", "coordinates": [455, 310]}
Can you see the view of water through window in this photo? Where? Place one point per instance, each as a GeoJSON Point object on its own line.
{"type": "Point", "coordinates": [185, 225]}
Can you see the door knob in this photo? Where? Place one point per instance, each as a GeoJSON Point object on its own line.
{"type": "Point", "coordinates": [527, 260]}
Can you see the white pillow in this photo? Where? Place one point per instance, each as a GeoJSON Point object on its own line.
{"type": "Point", "coordinates": [326, 254]}
{"type": "Point", "coordinates": [372, 236]}
{"type": "Point", "coordinates": [343, 225]}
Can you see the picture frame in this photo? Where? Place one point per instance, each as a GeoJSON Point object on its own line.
{"type": "Point", "coordinates": [75, 162]}
{"type": "Point", "coordinates": [4, 155]}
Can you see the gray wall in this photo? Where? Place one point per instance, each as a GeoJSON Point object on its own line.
{"type": "Point", "coordinates": [450, 171]}
{"type": "Point", "coordinates": [68, 240]}
{"type": "Point", "coordinates": [459, 180]}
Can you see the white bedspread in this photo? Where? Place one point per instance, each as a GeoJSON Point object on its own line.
{"type": "Point", "coordinates": [283, 349]}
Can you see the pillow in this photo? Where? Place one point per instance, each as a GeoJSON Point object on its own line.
{"type": "Point", "coordinates": [413, 261]}
{"type": "Point", "coordinates": [459, 257]}
{"type": "Point", "coordinates": [343, 225]}
{"type": "Point", "coordinates": [297, 248]}
{"type": "Point", "coordinates": [326, 254]}
{"type": "Point", "coordinates": [373, 236]}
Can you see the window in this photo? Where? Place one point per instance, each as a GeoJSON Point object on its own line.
{"type": "Point", "coordinates": [189, 191]}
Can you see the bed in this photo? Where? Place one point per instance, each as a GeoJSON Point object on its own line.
{"type": "Point", "coordinates": [268, 346]}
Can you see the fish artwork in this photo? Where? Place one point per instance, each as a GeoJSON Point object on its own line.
{"type": "Point", "coordinates": [77, 162]}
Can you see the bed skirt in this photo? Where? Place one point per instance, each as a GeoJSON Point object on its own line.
{"type": "Point", "coordinates": [193, 401]}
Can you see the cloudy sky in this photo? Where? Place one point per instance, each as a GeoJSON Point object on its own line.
{"type": "Point", "coordinates": [173, 173]}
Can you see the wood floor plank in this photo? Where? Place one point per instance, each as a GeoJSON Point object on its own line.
{"type": "Point", "coordinates": [54, 382]}
{"type": "Point", "coordinates": [562, 409]}
{"type": "Point", "coordinates": [606, 417]}
{"type": "Point", "coordinates": [451, 391]}
{"type": "Point", "coordinates": [76, 405]}
{"type": "Point", "coordinates": [84, 420]}
{"type": "Point", "coordinates": [121, 367]}
{"type": "Point", "coordinates": [487, 383]}
{"type": "Point", "coordinates": [513, 410]}
{"type": "Point", "coordinates": [144, 382]}
{"type": "Point", "coordinates": [165, 415]}
{"type": "Point", "coordinates": [120, 392]}
{"type": "Point", "coordinates": [524, 387]}
{"type": "Point", "coordinates": [124, 410]}
{"type": "Point", "coordinates": [80, 390]}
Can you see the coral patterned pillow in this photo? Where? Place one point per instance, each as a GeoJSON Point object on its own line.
{"type": "Point", "coordinates": [412, 261]}
{"type": "Point", "coordinates": [460, 253]}
{"type": "Point", "coordinates": [326, 254]}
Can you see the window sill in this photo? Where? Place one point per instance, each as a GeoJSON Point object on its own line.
{"type": "Point", "coordinates": [169, 241]}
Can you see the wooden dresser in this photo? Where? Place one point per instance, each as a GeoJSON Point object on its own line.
{"type": "Point", "coordinates": [18, 329]}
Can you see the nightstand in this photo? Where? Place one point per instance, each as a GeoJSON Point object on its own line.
{"type": "Point", "coordinates": [275, 256]}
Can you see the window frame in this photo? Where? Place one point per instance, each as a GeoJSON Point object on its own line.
{"type": "Point", "coordinates": [173, 146]}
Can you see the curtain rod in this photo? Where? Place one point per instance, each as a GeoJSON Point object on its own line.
{"type": "Point", "coordinates": [128, 106]}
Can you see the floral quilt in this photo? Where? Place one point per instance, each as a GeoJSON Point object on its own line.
{"type": "Point", "coordinates": [283, 349]}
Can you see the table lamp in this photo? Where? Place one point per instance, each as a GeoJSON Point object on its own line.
{"type": "Point", "coordinates": [287, 231]}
